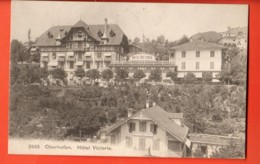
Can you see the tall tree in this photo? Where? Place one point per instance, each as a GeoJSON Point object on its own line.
{"type": "Point", "coordinates": [107, 74]}
{"type": "Point", "coordinates": [139, 74]}
{"type": "Point", "coordinates": [18, 52]}
{"type": "Point", "coordinates": [121, 74]}
{"type": "Point", "coordinates": [156, 75]}
{"type": "Point", "coordinates": [172, 75]}
{"type": "Point", "coordinates": [207, 77]}
{"type": "Point", "coordinates": [189, 78]}
{"type": "Point", "coordinates": [58, 74]}
{"type": "Point", "coordinates": [80, 73]}
{"type": "Point", "coordinates": [136, 40]}
{"type": "Point", "coordinates": [93, 74]}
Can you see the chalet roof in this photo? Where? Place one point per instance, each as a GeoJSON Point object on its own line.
{"type": "Point", "coordinates": [212, 139]}
{"type": "Point", "coordinates": [162, 118]}
{"type": "Point", "coordinates": [198, 45]}
{"type": "Point", "coordinates": [48, 37]}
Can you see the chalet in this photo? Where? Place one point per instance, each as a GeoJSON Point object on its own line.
{"type": "Point", "coordinates": [82, 46]}
{"type": "Point", "coordinates": [150, 132]}
{"type": "Point", "coordinates": [197, 57]}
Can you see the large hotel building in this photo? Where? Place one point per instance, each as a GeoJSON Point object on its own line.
{"type": "Point", "coordinates": [106, 46]}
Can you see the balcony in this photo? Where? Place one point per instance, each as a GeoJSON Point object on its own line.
{"type": "Point", "coordinates": [61, 59]}
{"type": "Point", "coordinates": [45, 59]}
{"type": "Point", "coordinates": [87, 59]}
{"type": "Point", "coordinates": [144, 63]}
{"type": "Point", "coordinates": [77, 49]}
{"type": "Point", "coordinates": [71, 59]}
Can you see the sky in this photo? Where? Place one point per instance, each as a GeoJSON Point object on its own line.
{"type": "Point", "coordinates": [135, 19]}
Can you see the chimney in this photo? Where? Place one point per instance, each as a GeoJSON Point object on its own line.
{"type": "Point", "coordinates": [106, 26]}
{"type": "Point", "coordinates": [129, 112]}
{"type": "Point", "coordinates": [104, 37]}
{"type": "Point", "coordinates": [147, 105]}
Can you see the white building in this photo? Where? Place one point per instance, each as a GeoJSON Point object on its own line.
{"type": "Point", "coordinates": [197, 57]}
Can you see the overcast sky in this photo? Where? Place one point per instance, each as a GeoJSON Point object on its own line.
{"type": "Point", "coordinates": [152, 19]}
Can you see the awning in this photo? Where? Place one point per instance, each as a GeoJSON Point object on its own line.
{"type": "Point", "coordinates": [53, 63]}
{"type": "Point", "coordinates": [79, 63]}
{"type": "Point", "coordinates": [44, 54]}
{"type": "Point", "coordinates": [88, 54]}
{"type": "Point", "coordinates": [33, 49]}
{"type": "Point", "coordinates": [215, 81]}
{"type": "Point", "coordinates": [107, 54]}
{"type": "Point", "coordinates": [188, 143]}
{"type": "Point", "coordinates": [70, 53]}
{"type": "Point", "coordinates": [60, 54]}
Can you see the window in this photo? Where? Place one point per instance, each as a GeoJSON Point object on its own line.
{"type": "Point", "coordinates": [79, 45]}
{"type": "Point", "coordinates": [197, 65]}
{"type": "Point", "coordinates": [211, 65]}
{"type": "Point", "coordinates": [142, 143]}
{"type": "Point", "coordinates": [129, 142]}
{"type": "Point", "coordinates": [153, 128]}
{"type": "Point", "coordinates": [142, 127]}
{"type": "Point", "coordinates": [197, 54]}
{"type": "Point", "coordinates": [183, 54]}
{"type": "Point", "coordinates": [71, 65]}
{"type": "Point", "coordinates": [131, 127]}
{"type": "Point", "coordinates": [212, 54]}
{"type": "Point", "coordinates": [156, 144]}
{"type": "Point", "coordinates": [172, 54]}
{"type": "Point", "coordinates": [79, 56]}
{"type": "Point", "coordinates": [53, 56]}
{"type": "Point", "coordinates": [87, 65]}
{"type": "Point", "coordinates": [183, 65]}
{"type": "Point", "coordinates": [99, 55]}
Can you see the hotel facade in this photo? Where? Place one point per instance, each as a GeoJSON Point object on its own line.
{"type": "Point", "coordinates": [82, 46]}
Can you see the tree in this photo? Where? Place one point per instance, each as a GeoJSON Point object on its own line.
{"type": "Point", "coordinates": [136, 40]}
{"type": "Point", "coordinates": [183, 40]}
{"type": "Point", "coordinates": [172, 75]}
{"type": "Point", "coordinates": [14, 73]}
{"type": "Point", "coordinates": [139, 74]}
{"type": "Point", "coordinates": [80, 73]}
{"type": "Point", "coordinates": [93, 74]}
{"type": "Point", "coordinates": [58, 74]}
{"type": "Point", "coordinates": [207, 77]}
{"type": "Point", "coordinates": [160, 39]}
{"type": "Point", "coordinates": [121, 74]}
{"type": "Point", "coordinates": [107, 74]}
{"type": "Point", "coordinates": [18, 52]}
{"type": "Point", "coordinates": [235, 149]}
{"type": "Point", "coordinates": [189, 78]}
{"type": "Point", "coordinates": [156, 75]}
{"type": "Point", "coordinates": [36, 57]}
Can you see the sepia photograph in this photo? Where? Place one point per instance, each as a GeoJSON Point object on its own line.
{"type": "Point", "coordinates": [128, 79]}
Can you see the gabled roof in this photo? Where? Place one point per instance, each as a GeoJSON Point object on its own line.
{"type": "Point", "coordinates": [160, 117]}
{"type": "Point", "coordinates": [92, 30]}
{"type": "Point", "coordinates": [47, 40]}
{"type": "Point", "coordinates": [198, 45]}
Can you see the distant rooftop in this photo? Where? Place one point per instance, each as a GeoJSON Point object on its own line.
{"type": "Point", "coordinates": [198, 45]}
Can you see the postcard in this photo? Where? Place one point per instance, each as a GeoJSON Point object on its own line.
{"type": "Point", "coordinates": [128, 79]}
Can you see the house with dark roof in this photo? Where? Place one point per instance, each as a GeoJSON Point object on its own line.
{"type": "Point", "coordinates": [82, 46]}
{"type": "Point", "coordinates": [150, 132]}
{"type": "Point", "coordinates": [197, 57]}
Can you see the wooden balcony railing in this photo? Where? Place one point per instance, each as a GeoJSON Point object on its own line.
{"type": "Point", "coordinates": [143, 63]}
